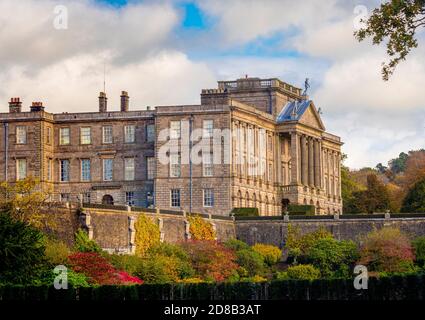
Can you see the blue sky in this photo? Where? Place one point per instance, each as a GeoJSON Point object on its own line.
{"type": "Point", "coordinates": [166, 51]}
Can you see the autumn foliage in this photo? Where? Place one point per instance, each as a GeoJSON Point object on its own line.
{"type": "Point", "coordinates": [98, 269]}
{"type": "Point", "coordinates": [387, 250]}
{"type": "Point", "coordinates": [200, 229]}
{"type": "Point", "coordinates": [211, 260]}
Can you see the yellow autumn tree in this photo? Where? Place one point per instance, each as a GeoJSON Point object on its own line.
{"type": "Point", "coordinates": [25, 201]}
{"type": "Point", "coordinates": [200, 229]}
{"type": "Point", "coordinates": [148, 234]}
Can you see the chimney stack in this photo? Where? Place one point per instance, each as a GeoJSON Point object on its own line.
{"type": "Point", "coordinates": [15, 105]}
{"type": "Point", "coordinates": [103, 102]}
{"type": "Point", "coordinates": [124, 101]}
{"type": "Point", "coordinates": [37, 106]}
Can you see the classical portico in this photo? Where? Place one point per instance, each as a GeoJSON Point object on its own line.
{"type": "Point", "coordinates": [314, 158]}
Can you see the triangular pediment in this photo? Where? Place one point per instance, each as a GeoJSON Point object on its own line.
{"type": "Point", "coordinates": [311, 118]}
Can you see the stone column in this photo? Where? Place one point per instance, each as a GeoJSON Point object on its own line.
{"type": "Point", "coordinates": [295, 168]}
{"type": "Point", "coordinates": [304, 160]}
{"type": "Point", "coordinates": [316, 163]}
{"type": "Point", "coordinates": [310, 162]}
{"type": "Point", "coordinates": [278, 159]}
{"type": "Point", "coordinates": [321, 174]}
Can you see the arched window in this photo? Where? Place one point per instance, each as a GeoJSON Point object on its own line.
{"type": "Point", "coordinates": [107, 199]}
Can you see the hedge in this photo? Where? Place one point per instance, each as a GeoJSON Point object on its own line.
{"type": "Point", "coordinates": [245, 212]}
{"type": "Point", "coordinates": [409, 287]}
{"type": "Point", "coordinates": [301, 209]}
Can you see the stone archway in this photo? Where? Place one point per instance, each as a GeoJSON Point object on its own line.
{"type": "Point", "coordinates": [108, 199]}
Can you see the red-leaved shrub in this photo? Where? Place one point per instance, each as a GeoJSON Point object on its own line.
{"type": "Point", "coordinates": [99, 270]}
{"type": "Point", "coordinates": [387, 250]}
{"type": "Point", "coordinates": [211, 259]}
{"type": "Point", "coordinates": [125, 278]}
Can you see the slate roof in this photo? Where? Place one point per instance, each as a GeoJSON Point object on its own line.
{"type": "Point", "coordinates": [293, 111]}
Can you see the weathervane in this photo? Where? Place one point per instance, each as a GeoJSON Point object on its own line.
{"type": "Point", "coordinates": [306, 86]}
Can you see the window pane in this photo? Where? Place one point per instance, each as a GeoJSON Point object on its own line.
{"type": "Point", "coordinates": [175, 130]}
{"type": "Point", "coordinates": [175, 198]}
{"type": "Point", "coordinates": [175, 164]}
{"type": "Point", "coordinates": [49, 169]}
{"type": "Point", "coordinates": [49, 135]}
{"type": "Point", "coordinates": [208, 128]}
{"type": "Point", "coordinates": [21, 135]}
{"type": "Point", "coordinates": [107, 169]}
{"type": "Point", "coordinates": [129, 198]}
{"type": "Point", "coordinates": [86, 197]}
{"type": "Point", "coordinates": [64, 136]}
{"type": "Point", "coordinates": [64, 170]}
{"type": "Point", "coordinates": [107, 134]}
{"type": "Point", "coordinates": [150, 168]}
{"type": "Point", "coordinates": [208, 198]}
{"type": "Point", "coordinates": [129, 132]}
{"type": "Point", "coordinates": [21, 169]}
{"type": "Point", "coordinates": [85, 135]}
{"type": "Point", "coordinates": [207, 164]}
{"type": "Point", "coordinates": [150, 133]}
{"type": "Point", "coordinates": [129, 168]}
{"type": "Point", "coordinates": [85, 170]}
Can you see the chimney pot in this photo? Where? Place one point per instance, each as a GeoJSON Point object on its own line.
{"type": "Point", "coordinates": [103, 102]}
{"type": "Point", "coordinates": [125, 101]}
{"type": "Point", "coordinates": [15, 105]}
{"type": "Point", "coordinates": [37, 106]}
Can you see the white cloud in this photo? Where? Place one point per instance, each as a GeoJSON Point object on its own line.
{"type": "Point", "coordinates": [28, 36]}
{"type": "Point", "coordinates": [167, 78]}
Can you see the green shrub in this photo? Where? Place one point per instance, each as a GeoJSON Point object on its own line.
{"type": "Point", "coordinates": [271, 254]}
{"type": "Point", "coordinates": [56, 252]}
{"type": "Point", "coordinates": [84, 244]}
{"type": "Point", "coordinates": [297, 245]}
{"type": "Point", "coordinates": [419, 246]}
{"type": "Point", "coordinates": [128, 263]}
{"type": "Point", "coordinates": [159, 269]}
{"type": "Point", "coordinates": [300, 272]}
{"type": "Point", "coordinates": [182, 259]}
{"type": "Point", "coordinates": [245, 212]}
{"type": "Point", "coordinates": [236, 245]}
{"type": "Point", "coordinates": [252, 262]}
{"type": "Point", "coordinates": [77, 279]}
{"type": "Point", "coordinates": [333, 257]}
{"type": "Point", "coordinates": [21, 251]}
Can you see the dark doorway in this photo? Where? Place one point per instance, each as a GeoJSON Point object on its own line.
{"type": "Point", "coordinates": [285, 205]}
{"type": "Point", "coordinates": [107, 199]}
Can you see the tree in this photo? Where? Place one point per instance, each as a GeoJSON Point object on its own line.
{"type": "Point", "coordinates": [387, 250]}
{"type": "Point", "coordinates": [375, 199]}
{"type": "Point", "coordinates": [381, 168]}
{"type": "Point", "coordinates": [348, 187]}
{"type": "Point", "coordinates": [21, 251]}
{"type": "Point", "coordinates": [398, 165]}
{"type": "Point", "coordinates": [415, 199]}
{"type": "Point", "coordinates": [396, 22]}
{"type": "Point", "coordinates": [25, 201]}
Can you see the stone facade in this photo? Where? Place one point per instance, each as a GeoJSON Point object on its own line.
{"type": "Point", "coordinates": [272, 146]}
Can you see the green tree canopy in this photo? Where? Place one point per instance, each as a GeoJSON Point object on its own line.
{"type": "Point", "coordinates": [375, 198]}
{"type": "Point", "coordinates": [396, 22]}
{"type": "Point", "coordinates": [415, 199]}
{"type": "Point", "coordinates": [21, 251]}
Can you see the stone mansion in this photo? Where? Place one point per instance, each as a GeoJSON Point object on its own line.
{"type": "Point", "coordinates": [277, 152]}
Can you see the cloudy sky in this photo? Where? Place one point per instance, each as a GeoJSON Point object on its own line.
{"type": "Point", "coordinates": [165, 52]}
